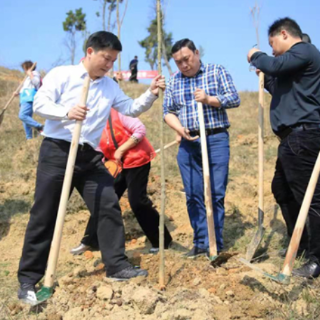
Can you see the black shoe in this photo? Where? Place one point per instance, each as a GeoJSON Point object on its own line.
{"type": "Point", "coordinates": [309, 270]}
{"type": "Point", "coordinates": [128, 273]}
{"type": "Point", "coordinates": [27, 294]}
{"type": "Point", "coordinates": [195, 252]}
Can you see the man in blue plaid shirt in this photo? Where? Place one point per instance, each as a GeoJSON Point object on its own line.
{"type": "Point", "coordinates": [212, 85]}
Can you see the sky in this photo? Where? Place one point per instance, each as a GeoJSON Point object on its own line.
{"type": "Point", "coordinates": [32, 29]}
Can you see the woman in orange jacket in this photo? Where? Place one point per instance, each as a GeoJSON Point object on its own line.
{"type": "Point", "coordinates": [124, 141]}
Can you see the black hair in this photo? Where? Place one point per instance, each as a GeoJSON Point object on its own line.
{"type": "Point", "coordinates": [287, 24]}
{"type": "Point", "coordinates": [306, 38]}
{"type": "Point", "coordinates": [103, 40]}
{"type": "Point", "coordinates": [26, 65]}
{"type": "Point", "coordinates": [182, 44]}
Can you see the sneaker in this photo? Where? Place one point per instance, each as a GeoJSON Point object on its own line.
{"type": "Point", "coordinates": [155, 250]}
{"type": "Point", "coordinates": [27, 294]}
{"type": "Point", "coordinates": [80, 249]}
{"type": "Point", "coordinates": [128, 273]}
{"type": "Point", "coordinates": [195, 252]}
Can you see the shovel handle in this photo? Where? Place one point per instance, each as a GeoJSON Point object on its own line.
{"type": "Point", "coordinates": [56, 241]}
{"type": "Point", "coordinates": [207, 184]}
{"type": "Point", "coordinates": [301, 221]}
{"type": "Point", "coordinates": [172, 143]}
{"type": "Point", "coordinates": [260, 149]}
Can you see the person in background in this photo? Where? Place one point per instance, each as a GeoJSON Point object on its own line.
{"type": "Point", "coordinates": [125, 142]}
{"type": "Point", "coordinates": [27, 93]}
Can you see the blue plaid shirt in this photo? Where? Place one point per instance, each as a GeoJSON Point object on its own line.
{"type": "Point", "coordinates": [216, 81]}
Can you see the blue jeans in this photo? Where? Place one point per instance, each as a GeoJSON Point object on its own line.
{"type": "Point", "coordinates": [190, 164]}
{"type": "Point", "coordinates": [25, 115]}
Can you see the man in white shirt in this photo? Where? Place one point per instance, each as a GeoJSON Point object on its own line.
{"type": "Point", "coordinates": [27, 93]}
{"type": "Point", "coordinates": [57, 101]}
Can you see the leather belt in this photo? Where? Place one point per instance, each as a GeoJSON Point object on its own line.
{"type": "Point", "coordinates": [82, 147]}
{"type": "Point", "coordinates": [208, 131]}
{"type": "Point", "coordinates": [301, 127]}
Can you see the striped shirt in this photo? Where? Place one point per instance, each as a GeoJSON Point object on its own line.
{"type": "Point", "coordinates": [216, 81]}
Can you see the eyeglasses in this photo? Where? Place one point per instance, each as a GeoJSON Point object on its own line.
{"type": "Point", "coordinates": [251, 66]}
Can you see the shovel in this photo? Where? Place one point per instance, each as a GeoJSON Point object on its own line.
{"type": "Point", "coordinates": [13, 95]}
{"type": "Point", "coordinates": [256, 240]}
{"type": "Point", "coordinates": [213, 253]}
{"type": "Point", "coordinates": [47, 290]}
{"type": "Point", "coordinates": [285, 275]}
{"type": "Point", "coordinates": [172, 143]}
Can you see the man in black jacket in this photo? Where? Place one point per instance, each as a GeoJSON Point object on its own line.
{"type": "Point", "coordinates": [293, 79]}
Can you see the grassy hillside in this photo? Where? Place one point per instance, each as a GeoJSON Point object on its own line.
{"type": "Point", "coordinates": [194, 289]}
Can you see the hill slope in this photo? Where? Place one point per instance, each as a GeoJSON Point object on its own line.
{"type": "Point", "coordinates": [195, 290]}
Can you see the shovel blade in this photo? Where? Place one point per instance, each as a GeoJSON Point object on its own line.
{"type": "Point", "coordinates": [280, 277]}
{"type": "Point", "coordinates": [254, 244]}
{"type": "Point", "coordinates": [223, 257]}
{"type": "Point", "coordinates": [44, 294]}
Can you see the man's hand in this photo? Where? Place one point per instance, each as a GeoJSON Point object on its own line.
{"type": "Point", "coordinates": [185, 133]}
{"type": "Point", "coordinates": [78, 113]}
{"type": "Point", "coordinates": [118, 155]}
{"type": "Point", "coordinates": [158, 82]}
{"type": "Point", "coordinates": [251, 52]}
{"type": "Point", "coordinates": [258, 72]}
{"type": "Point", "coordinates": [16, 94]}
{"type": "Point", "coordinates": [201, 96]}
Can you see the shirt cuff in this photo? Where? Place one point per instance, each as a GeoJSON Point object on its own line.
{"type": "Point", "coordinates": [223, 101]}
{"type": "Point", "coordinates": [151, 96]}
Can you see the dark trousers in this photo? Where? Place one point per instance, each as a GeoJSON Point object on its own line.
{"type": "Point", "coordinates": [297, 154]}
{"type": "Point", "coordinates": [95, 185]}
{"type": "Point", "coordinates": [134, 75]}
{"type": "Point", "coordinates": [136, 181]}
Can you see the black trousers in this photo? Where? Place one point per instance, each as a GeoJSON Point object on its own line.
{"type": "Point", "coordinates": [95, 185]}
{"type": "Point", "coordinates": [297, 154]}
{"type": "Point", "coordinates": [136, 181]}
{"type": "Point", "coordinates": [134, 75]}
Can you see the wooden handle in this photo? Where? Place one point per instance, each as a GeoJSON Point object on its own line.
{"type": "Point", "coordinates": [172, 143]}
{"type": "Point", "coordinates": [55, 245]}
{"type": "Point", "coordinates": [301, 221]}
{"type": "Point", "coordinates": [207, 184]}
{"type": "Point", "coordinates": [260, 149]}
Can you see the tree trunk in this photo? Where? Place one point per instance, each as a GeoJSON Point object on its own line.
{"type": "Point", "coordinates": [104, 15]}
{"type": "Point", "coordinates": [163, 184]}
{"type": "Point", "coordinates": [119, 35]}
{"type": "Point", "coordinates": [165, 58]}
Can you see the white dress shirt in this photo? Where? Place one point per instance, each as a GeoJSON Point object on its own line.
{"type": "Point", "coordinates": [61, 90]}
